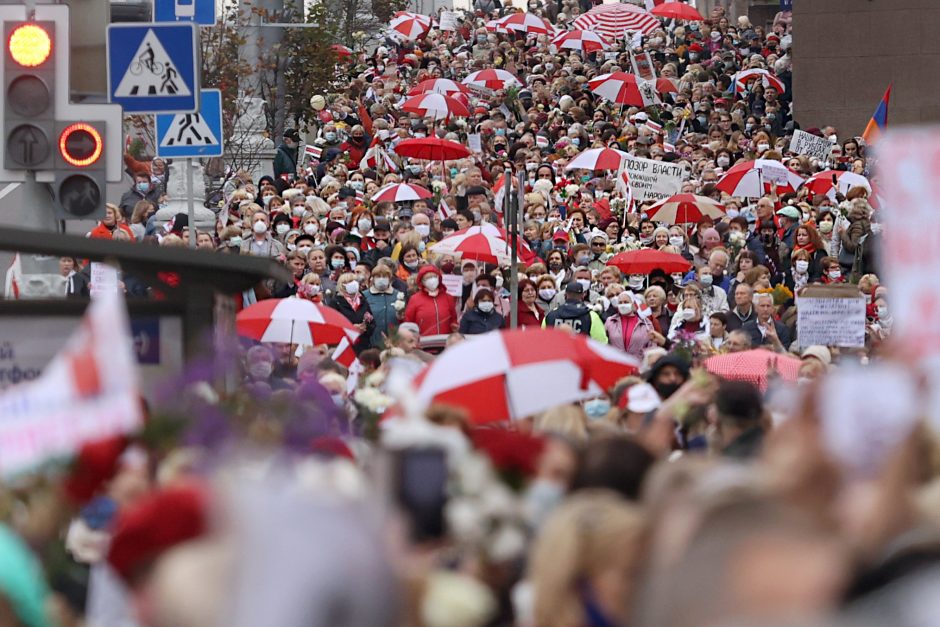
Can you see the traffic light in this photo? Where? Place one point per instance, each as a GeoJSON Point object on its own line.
{"type": "Point", "coordinates": [29, 88]}
{"type": "Point", "coordinates": [80, 176]}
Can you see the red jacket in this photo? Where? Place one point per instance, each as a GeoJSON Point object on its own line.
{"type": "Point", "coordinates": [434, 315]}
{"type": "Point", "coordinates": [102, 232]}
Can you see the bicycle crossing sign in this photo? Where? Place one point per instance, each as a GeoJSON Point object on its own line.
{"type": "Point", "coordinates": [193, 134]}
{"type": "Point", "coordinates": [154, 68]}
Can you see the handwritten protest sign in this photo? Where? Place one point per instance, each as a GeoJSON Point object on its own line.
{"type": "Point", "coordinates": [475, 142]}
{"type": "Point", "coordinates": [448, 20]}
{"type": "Point", "coordinates": [453, 284]}
{"type": "Point", "coordinates": [104, 279]}
{"type": "Point", "coordinates": [654, 180]}
{"type": "Point", "coordinates": [804, 143]}
{"type": "Point", "coordinates": [831, 316]}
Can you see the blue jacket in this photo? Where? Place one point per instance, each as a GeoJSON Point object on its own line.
{"type": "Point", "coordinates": [385, 315]}
{"type": "Point", "coordinates": [474, 322]}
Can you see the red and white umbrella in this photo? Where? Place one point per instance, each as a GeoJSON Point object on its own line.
{"type": "Point", "coordinates": [645, 260]}
{"type": "Point", "coordinates": [677, 11]}
{"type": "Point", "coordinates": [583, 40]}
{"type": "Point", "coordinates": [598, 159]}
{"type": "Point", "coordinates": [665, 85]}
{"type": "Point", "coordinates": [821, 183]}
{"type": "Point", "coordinates": [754, 366]}
{"type": "Point", "coordinates": [401, 192]}
{"type": "Point", "coordinates": [685, 208]}
{"type": "Point", "coordinates": [443, 86]}
{"type": "Point", "coordinates": [615, 19]}
{"type": "Point", "coordinates": [742, 78]}
{"type": "Point", "coordinates": [624, 89]}
{"type": "Point", "coordinates": [410, 26]}
{"type": "Point", "coordinates": [474, 243]}
{"type": "Point", "coordinates": [341, 50]}
{"type": "Point", "coordinates": [431, 149]}
{"type": "Point", "coordinates": [507, 375]}
{"type": "Point", "coordinates": [436, 106]}
{"type": "Point", "coordinates": [521, 23]}
{"type": "Point", "coordinates": [491, 79]}
{"type": "Point", "coordinates": [753, 179]}
{"type": "Point", "coordinates": [294, 321]}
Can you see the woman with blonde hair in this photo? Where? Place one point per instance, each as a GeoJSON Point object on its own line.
{"type": "Point", "coordinates": [568, 421]}
{"type": "Point", "coordinates": [584, 562]}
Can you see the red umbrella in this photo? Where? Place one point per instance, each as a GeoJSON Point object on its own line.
{"type": "Point", "coordinates": [598, 159]}
{"type": "Point", "coordinates": [821, 182]}
{"type": "Point", "coordinates": [613, 20]}
{"type": "Point", "coordinates": [583, 40]}
{"type": "Point", "coordinates": [685, 208]}
{"type": "Point", "coordinates": [741, 79]}
{"type": "Point", "coordinates": [506, 375]}
{"type": "Point", "coordinates": [666, 85]}
{"type": "Point", "coordinates": [401, 192]}
{"type": "Point", "coordinates": [752, 179]}
{"type": "Point", "coordinates": [409, 26]}
{"type": "Point", "coordinates": [474, 243]}
{"type": "Point", "coordinates": [677, 11]}
{"type": "Point", "coordinates": [753, 366]}
{"type": "Point", "coordinates": [431, 149]}
{"type": "Point", "coordinates": [646, 260]}
{"type": "Point", "coordinates": [522, 23]}
{"type": "Point", "coordinates": [294, 321]}
{"type": "Point", "coordinates": [491, 79]}
{"type": "Point", "coordinates": [443, 86]}
{"type": "Point", "coordinates": [341, 51]}
{"type": "Point", "coordinates": [436, 106]}
{"type": "Point", "coordinates": [624, 89]}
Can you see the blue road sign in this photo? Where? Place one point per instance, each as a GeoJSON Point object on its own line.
{"type": "Point", "coordinates": [198, 11]}
{"type": "Point", "coordinates": [154, 68]}
{"type": "Point", "coordinates": [193, 134]}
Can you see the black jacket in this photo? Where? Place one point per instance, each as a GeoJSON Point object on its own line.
{"type": "Point", "coordinates": [758, 339]}
{"type": "Point", "coordinates": [475, 322]}
{"type": "Point", "coordinates": [357, 316]}
{"type": "Point", "coordinates": [576, 315]}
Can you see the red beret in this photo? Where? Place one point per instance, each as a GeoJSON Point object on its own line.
{"type": "Point", "coordinates": [696, 48]}
{"type": "Point", "coordinates": [95, 465]}
{"type": "Point", "coordinates": [157, 523]}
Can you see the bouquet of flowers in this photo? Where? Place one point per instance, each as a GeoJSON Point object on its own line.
{"type": "Point", "coordinates": [781, 293]}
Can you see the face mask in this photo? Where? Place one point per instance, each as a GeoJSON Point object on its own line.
{"type": "Point", "coordinates": [282, 228]}
{"type": "Point", "coordinates": [763, 147]}
{"type": "Point", "coordinates": [336, 264]}
{"type": "Point", "coordinates": [298, 210]}
{"type": "Point", "coordinates": [825, 227]}
{"type": "Point", "coordinates": [329, 136]}
{"type": "Point", "coordinates": [486, 306]}
{"type": "Point", "coordinates": [801, 266]}
{"type": "Point", "coordinates": [266, 199]}
{"type": "Point", "coordinates": [547, 293]}
{"type": "Point", "coordinates": [723, 161]}
{"type": "Point", "coordinates": [261, 370]}
{"type": "Point", "coordinates": [706, 280]}
{"type": "Point", "coordinates": [541, 498]}
{"type": "Point", "coordinates": [352, 287]}
{"type": "Point", "coordinates": [677, 278]}
{"type": "Point", "coordinates": [636, 282]}
{"type": "Point", "coordinates": [835, 274]}
{"type": "Point", "coordinates": [364, 225]}
{"type": "Point", "coordinates": [733, 213]}
{"type": "Point", "coordinates": [143, 188]}
{"type": "Point", "coordinates": [575, 141]}
{"type": "Point", "coordinates": [260, 227]}
{"type": "Point", "coordinates": [423, 229]}
{"type": "Point", "coordinates": [310, 228]}
{"type": "Point", "coordinates": [749, 127]}
{"type": "Point", "coordinates": [676, 241]}
{"type": "Point", "coordinates": [381, 283]}
{"type": "Point", "coordinates": [596, 408]}
{"type": "Point", "coordinates": [688, 314]}
{"type": "Point", "coordinates": [882, 312]}
{"type": "Point", "coordinates": [555, 266]}
{"type": "Point", "coordinates": [304, 250]}
{"type": "Point", "coordinates": [584, 260]}
{"type": "Point", "coordinates": [625, 309]}
{"type": "Point", "coordinates": [411, 266]}
{"type": "Point", "coordinates": [585, 283]}
{"type": "Point", "coordinates": [357, 185]}
{"type": "Point", "coordinates": [432, 282]}
{"type": "Point", "coordinates": [693, 56]}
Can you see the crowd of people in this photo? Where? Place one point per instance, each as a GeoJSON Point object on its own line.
{"type": "Point", "coordinates": [313, 494]}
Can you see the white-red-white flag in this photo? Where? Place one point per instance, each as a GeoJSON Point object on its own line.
{"type": "Point", "coordinates": [443, 210]}
{"type": "Point", "coordinates": [344, 353]}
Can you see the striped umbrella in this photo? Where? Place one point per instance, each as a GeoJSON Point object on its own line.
{"type": "Point", "coordinates": [435, 106]}
{"type": "Point", "coordinates": [598, 159]}
{"type": "Point", "coordinates": [293, 321]}
{"type": "Point", "coordinates": [491, 79]}
{"type": "Point", "coordinates": [624, 89]}
{"type": "Point", "coordinates": [754, 366]}
{"type": "Point", "coordinates": [583, 40]}
{"type": "Point", "coordinates": [665, 85]}
{"type": "Point", "coordinates": [474, 243]}
{"type": "Point", "coordinates": [528, 23]}
{"type": "Point", "coordinates": [821, 183]}
{"type": "Point", "coordinates": [507, 375]}
{"type": "Point", "coordinates": [410, 26]}
{"type": "Point", "coordinates": [614, 20]}
{"type": "Point", "coordinates": [443, 86]}
{"type": "Point", "coordinates": [752, 179]}
{"type": "Point", "coordinates": [685, 208]}
{"type": "Point", "coordinates": [741, 79]}
{"type": "Point", "coordinates": [401, 192]}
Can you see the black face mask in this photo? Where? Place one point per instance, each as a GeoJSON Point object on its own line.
{"type": "Point", "coordinates": [768, 239]}
{"type": "Point", "coordinates": [665, 390]}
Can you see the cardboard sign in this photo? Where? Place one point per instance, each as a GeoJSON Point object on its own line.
{"type": "Point", "coordinates": [654, 180]}
{"type": "Point", "coordinates": [831, 316]}
{"type": "Point", "coordinates": [804, 143]}
{"type": "Point", "coordinates": [474, 142]}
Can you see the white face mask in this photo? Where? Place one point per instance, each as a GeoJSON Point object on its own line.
{"type": "Point", "coordinates": [763, 147]}
{"type": "Point", "coordinates": [636, 282]}
{"type": "Point", "coordinates": [625, 309]}
{"type": "Point", "coordinates": [706, 280]}
{"type": "Point", "coordinates": [882, 312]}
{"type": "Point", "coordinates": [801, 266]}
{"type": "Point", "coordinates": [835, 274]}
{"type": "Point", "coordinates": [261, 370]}
{"type": "Point", "coordinates": [723, 162]}
{"type": "Point", "coordinates": [352, 287]}
{"type": "Point", "coordinates": [585, 283]}
{"type": "Point", "coordinates": [364, 225]}
{"type": "Point", "coordinates": [688, 314]}
{"type": "Point", "coordinates": [676, 241]}
{"type": "Point", "coordinates": [298, 210]}
{"type": "Point", "coordinates": [486, 306]}
{"type": "Point", "coordinates": [547, 293]}
{"type": "Point", "coordinates": [381, 283]}
{"type": "Point", "coordinates": [423, 229]}
{"type": "Point", "coordinates": [311, 228]}
{"type": "Point", "coordinates": [260, 227]}
{"type": "Point", "coordinates": [282, 228]}
{"type": "Point", "coordinates": [432, 282]}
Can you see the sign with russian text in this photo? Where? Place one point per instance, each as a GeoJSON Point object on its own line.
{"type": "Point", "coordinates": [654, 180]}
{"type": "Point", "coordinates": [831, 316]}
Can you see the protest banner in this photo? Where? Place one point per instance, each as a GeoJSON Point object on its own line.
{"type": "Point", "coordinates": [448, 21]}
{"type": "Point", "coordinates": [89, 391]}
{"type": "Point", "coordinates": [831, 315]}
{"type": "Point", "coordinates": [654, 180]}
{"type": "Point", "coordinates": [104, 279]}
{"type": "Point", "coordinates": [453, 285]}
{"type": "Point", "coordinates": [804, 143]}
{"type": "Point", "coordinates": [643, 65]}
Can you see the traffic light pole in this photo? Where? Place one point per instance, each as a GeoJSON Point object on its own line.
{"type": "Point", "coordinates": [190, 203]}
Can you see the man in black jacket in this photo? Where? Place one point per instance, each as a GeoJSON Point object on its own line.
{"type": "Point", "coordinates": [765, 331]}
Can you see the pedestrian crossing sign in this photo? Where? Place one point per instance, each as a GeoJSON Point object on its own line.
{"type": "Point", "coordinates": [154, 68]}
{"type": "Point", "coordinates": [198, 134]}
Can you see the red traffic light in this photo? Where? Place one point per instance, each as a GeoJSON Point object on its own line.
{"type": "Point", "coordinates": [30, 45]}
{"type": "Point", "coordinates": [80, 144]}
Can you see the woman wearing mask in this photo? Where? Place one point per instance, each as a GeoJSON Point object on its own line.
{"type": "Point", "coordinates": [297, 264]}
{"type": "Point", "coordinates": [531, 313]}
{"type": "Point", "coordinates": [854, 256]}
{"type": "Point", "coordinates": [348, 301]}
{"type": "Point", "coordinates": [808, 240]}
{"type": "Point", "coordinates": [281, 224]}
{"type": "Point", "coordinates": [557, 269]}
{"type": "Point", "coordinates": [482, 317]}
{"type": "Point", "coordinates": [386, 303]}
{"type": "Point", "coordinates": [337, 263]}
{"type": "Point", "coordinates": [431, 307]}
{"type": "Point", "coordinates": [626, 330]}
{"type": "Point", "coordinates": [309, 288]}
{"type": "Point", "coordinates": [798, 275]}
{"type": "Point", "coordinates": [547, 290]}
{"type": "Point", "coordinates": [689, 317]}
{"type": "Point", "coordinates": [762, 143]}
{"type": "Point", "coordinates": [831, 271]}
{"type": "Point", "coordinates": [678, 239]}
{"type": "Point", "coordinates": [410, 261]}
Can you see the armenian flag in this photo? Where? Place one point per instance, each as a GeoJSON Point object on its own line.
{"type": "Point", "coordinates": [879, 121]}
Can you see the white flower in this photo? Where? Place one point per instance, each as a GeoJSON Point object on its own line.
{"type": "Point", "coordinates": [372, 399]}
{"type": "Point", "coordinates": [498, 501]}
{"type": "Point", "coordinates": [506, 543]}
{"type": "Point", "coordinates": [475, 474]}
{"type": "Point", "coordinates": [465, 520]}
{"type": "Point", "coordinates": [455, 600]}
